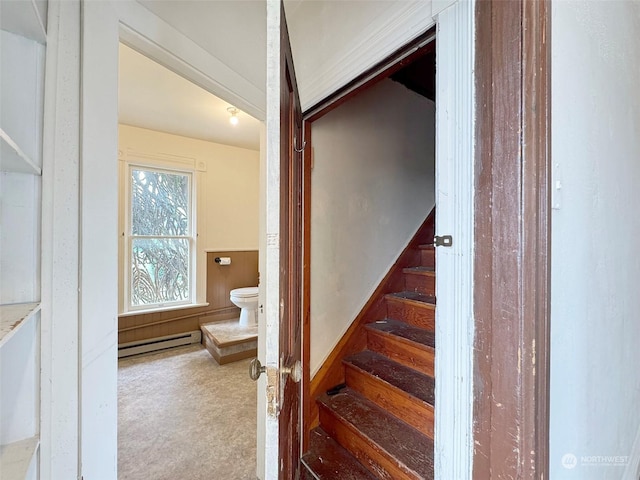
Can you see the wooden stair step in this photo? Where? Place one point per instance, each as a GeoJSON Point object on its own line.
{"type": "Point", "coordinates": [408, 380]}
{"type": "Point", "coordinates": [401, 391]}
{"type": "Point", "coordinates": [327, 460]}
{"type": "Point", "coordinates": [403, 343]}
{"type": "Point", "coordinates": [412, 307]}
{"type": "Point", "coordinates": [420, 279]}
{"type": "Point", "coordinates": [388, 447]}
{"type": "Point", "coordinates": [427, 255]}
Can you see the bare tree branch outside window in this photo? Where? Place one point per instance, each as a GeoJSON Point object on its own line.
{"type": "Point", "coordinates": [160, 237]}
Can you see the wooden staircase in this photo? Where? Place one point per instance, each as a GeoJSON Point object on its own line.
{"type": "Point", "coordinates": [378, 423]}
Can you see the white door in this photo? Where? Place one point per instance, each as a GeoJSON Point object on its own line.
{"type": "Point", "coordinates": [454, 216]}
{"type": "Point", "coordinates": [283, 275]}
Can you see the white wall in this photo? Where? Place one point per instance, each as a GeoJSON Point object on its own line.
{"type": "Point", "coordinates": [227, 180]}
{"type": "Point", "coordinates": [20, 199]}
{"type": "Point", "coordinates": [595, 381]}
{"type": "Point", "coordinates": [372, 186]}
{"type": "Point", "coordinates": [333, 42]}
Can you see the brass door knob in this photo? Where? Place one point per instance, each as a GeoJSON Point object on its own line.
{"type": "Point", "coordinates": [294, 371]}
{"type": "Point", "coordinates": [256, 369]}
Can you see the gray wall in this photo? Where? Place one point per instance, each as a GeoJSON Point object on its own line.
{"type": "Point", "coordinates": [595, 302]}
{"type": "Point", "coordinates": [372, 187]}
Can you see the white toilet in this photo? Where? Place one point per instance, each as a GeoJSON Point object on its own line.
{"type": "Point", "coordinates": [247, 299]}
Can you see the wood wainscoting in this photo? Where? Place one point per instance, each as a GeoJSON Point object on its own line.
{"type": "Point", "coordinates": [221, 279]}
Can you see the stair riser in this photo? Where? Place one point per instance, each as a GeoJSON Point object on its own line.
{"type": "Point", "coordinates": [378, 461]}
{"type": "Point", "coordinates": [428, 258]}
{"type": "Point", "coordinates": [414, 313]}
{"type": "Point", "coordinates": [403, 352]}
{"type": "Point", "coordinates": [409, 409]}
{"type": "Point", "coordinates": [420, 283]}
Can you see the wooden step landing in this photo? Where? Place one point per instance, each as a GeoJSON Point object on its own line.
{"type": "Point", "coordinates": [326, 460]}
{"type": "Point", "coordinates": [401, 391]}
{"type": "Point", "coordinates": [388, 447]}
{"type": "Point", "coordinates": [420, 279]}
{"type": "Point", "coordinates": [414, 308]}
{"type": "Point", "coordinates": [228, 341]}
{"type": "Point", "coordinates": [403, 343]}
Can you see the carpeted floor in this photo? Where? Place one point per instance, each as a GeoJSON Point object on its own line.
{"type": "Point", "coordinates": [183, 416]}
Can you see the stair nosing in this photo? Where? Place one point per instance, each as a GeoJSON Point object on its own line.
{"type": "Point", "coordinates": [430, 303]}
{"type": "Point", "coordinates": [426, 271]}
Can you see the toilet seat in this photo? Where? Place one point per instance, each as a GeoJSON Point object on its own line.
{"type": "Point", "coordinates": [245, 292]}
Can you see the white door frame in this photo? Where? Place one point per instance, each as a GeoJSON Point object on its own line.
{"type": "Point", "coordinates": [79, 354]}
{"type": "Point", "coordinates": [59, 401]}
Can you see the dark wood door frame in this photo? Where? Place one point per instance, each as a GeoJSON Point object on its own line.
{"type": "Point", "coordinates": [512, 240]}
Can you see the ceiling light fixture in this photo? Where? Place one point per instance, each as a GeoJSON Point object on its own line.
{"type": "Point", "coordinates": [233, 120]}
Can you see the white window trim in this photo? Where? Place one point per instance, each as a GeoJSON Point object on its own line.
{"type": "Point", "coordinates": [162, 309]}
{"type": "Point", "coordinates": [162, 166]}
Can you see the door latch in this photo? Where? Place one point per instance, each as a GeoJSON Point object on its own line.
{"type": "Point", "coordinates": [442, 241]}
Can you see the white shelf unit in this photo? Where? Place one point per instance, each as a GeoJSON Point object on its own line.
{"type": "Point", "coordinates": [19, 390]}
{"type": "Point", "coordinates": [13, 159]}
{"type": "Point", "coordinates": [15, 316]}
{"type": "Point", "coordinates": [27, 18]}
{"type": "Point", "coordinates": [22, 57]}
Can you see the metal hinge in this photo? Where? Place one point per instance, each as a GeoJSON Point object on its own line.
{"type": "Point", "coordinates": [442, 241]}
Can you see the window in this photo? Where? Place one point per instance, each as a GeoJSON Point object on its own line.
{"type": "Point", "coordinates": [160, 238]}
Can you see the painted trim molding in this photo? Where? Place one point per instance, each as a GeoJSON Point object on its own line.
{"type": "Point", "coordinates": [455, 115]}
{"type": "Point", "coordinates": [98, 247]}
{"type": "Point", "coordinates": [60, 321]}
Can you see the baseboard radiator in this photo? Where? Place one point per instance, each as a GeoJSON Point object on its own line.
{"type": "Point", "coordinates": [158, 343]}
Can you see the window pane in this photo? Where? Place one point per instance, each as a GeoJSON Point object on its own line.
{"type": "Point", "coordinates": [159, 271]}
{"type": "Point", "coordinates": [159, 203]}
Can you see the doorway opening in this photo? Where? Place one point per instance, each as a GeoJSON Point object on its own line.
{"type": "Point", "coordinates": [372, 186]}
{"type": "Point", "coordinates": [189, 167]}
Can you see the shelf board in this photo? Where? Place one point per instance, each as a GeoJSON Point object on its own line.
{"type": "Point", "coordinates": [23, 18]}
{"type": "Point", "coordinates": [15, 458]}
{"type": "Point", "coordinates": [13, 159]}
{"type": "Point", "coordinates": [13, 316]}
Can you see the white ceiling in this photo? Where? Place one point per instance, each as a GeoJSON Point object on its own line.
{"type": "Point", "coordinates": [332, 42]}
{"type": "Point", "coordinates": [233, 31]}
{"type": "Point", "coordinates": [153, 97]}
